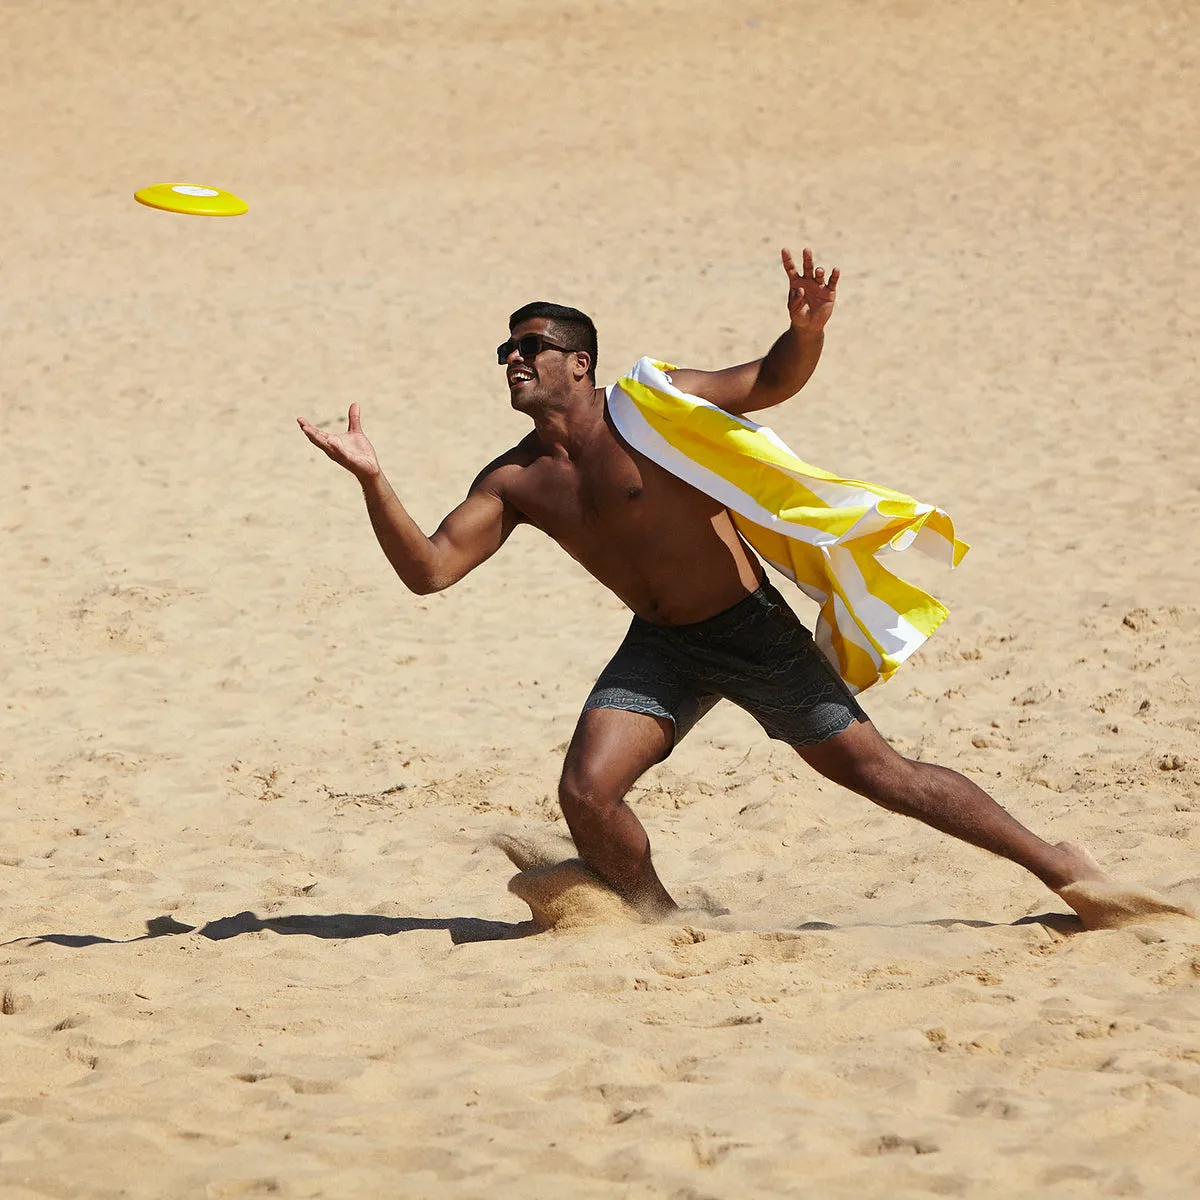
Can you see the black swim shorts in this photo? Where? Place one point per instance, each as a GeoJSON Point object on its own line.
{"type": "Point", "coordinates": [756, 654]}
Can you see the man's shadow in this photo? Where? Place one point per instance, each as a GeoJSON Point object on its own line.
{"type": "Point", "coordinates": [460, 929]}
{"type": "Point", "coordinates": [1062, 923]}
{"type": "Point", "coordinates": [332, 925]}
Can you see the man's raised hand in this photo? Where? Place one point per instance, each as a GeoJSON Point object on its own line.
{"type": "Point", "coordinates": [810, 295]}
{"type": "Point", "coordinates": [351, 449]}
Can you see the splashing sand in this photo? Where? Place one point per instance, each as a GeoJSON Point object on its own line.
{"type": "Point", "coordinates": [562, 894]}
{"type": "Point", "coordinates": [1107, 904]}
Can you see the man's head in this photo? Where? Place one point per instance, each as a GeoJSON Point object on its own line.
{"type": "Point", "coordinates": [558, 354]}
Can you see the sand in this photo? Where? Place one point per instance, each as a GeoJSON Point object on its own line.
{"type": "Point", "coordinates": [257, 935]}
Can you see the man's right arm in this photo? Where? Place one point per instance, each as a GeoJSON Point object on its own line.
{"type": "Point", "coordinates": [468, 536]}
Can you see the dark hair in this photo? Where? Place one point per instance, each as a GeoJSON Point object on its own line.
{"type": "Point", "coordinates": [575, 328]}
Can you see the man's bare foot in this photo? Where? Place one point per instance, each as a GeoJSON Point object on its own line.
{"type": "Point", "coordinates": [1102, 902]}
{"type": "Point", "coordinates": [1078, 866]}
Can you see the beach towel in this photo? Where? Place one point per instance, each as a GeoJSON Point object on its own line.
{"type": "Point", "coordinates": [830, 536]}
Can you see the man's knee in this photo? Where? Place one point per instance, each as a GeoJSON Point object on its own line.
{"type": "Point", "coordinates": [584, 791]}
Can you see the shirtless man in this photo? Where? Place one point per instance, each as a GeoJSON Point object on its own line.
{"type": "Point", "coordinates": [706, 625]}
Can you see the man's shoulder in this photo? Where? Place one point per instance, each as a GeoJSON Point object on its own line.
{"type": "Point", "coordinates": [506, 467]}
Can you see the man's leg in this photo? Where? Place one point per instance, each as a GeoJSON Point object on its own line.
{"type": "Point", "coordinates": [859, 759]}
{"type": "Point", "coordinates": [611, 748]}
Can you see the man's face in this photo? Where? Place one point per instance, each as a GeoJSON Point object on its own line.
{"type": "Point", "coordinates": [541, 377]}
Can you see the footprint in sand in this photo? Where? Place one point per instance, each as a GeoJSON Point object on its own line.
{"type": "Point", "coordinates": [1106, 904]}
{"type": "Point", "coordinates": [562, 894]}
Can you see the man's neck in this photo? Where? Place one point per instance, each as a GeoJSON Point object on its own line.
{"type": "Point", "coordinates": [565, 428]}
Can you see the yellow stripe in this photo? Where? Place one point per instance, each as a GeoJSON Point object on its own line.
{"type": "Point", "coordinates": [702, 424]}
{"type": "Point", "coordinates": [917, 607]}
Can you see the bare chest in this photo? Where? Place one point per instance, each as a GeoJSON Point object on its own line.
{"type": "Point", "coordinates": [608, 484]}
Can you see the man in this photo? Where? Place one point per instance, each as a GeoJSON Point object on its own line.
{"type": "Point", "coordinates": [707, 624]}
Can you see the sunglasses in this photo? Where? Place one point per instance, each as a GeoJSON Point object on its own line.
{"type": "Point", "coordinates": [528, 346]}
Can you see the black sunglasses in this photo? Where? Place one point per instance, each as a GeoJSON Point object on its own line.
{"type": "Point", "coordinates": [528, 345]}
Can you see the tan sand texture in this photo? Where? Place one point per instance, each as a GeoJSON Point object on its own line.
{"type": "Point", "coordinates": [256, 936]}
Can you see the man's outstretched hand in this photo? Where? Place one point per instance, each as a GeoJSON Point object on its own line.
{"type": "Point", "coordinates": [810, 296]}
{"type": "Point", "coordinates": [351, 449]}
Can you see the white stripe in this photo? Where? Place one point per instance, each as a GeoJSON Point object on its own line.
{"type": "Point", "coordinates": [896, 635]}
{"type": "Point", "coordinates": [850, 631]}
{"type": "Point", "coordinates": [936, 544]}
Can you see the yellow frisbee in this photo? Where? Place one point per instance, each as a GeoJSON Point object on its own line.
{"type": "Point", "coordinates": [191, 198]}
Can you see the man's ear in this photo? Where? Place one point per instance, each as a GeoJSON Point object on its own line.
{"type": "Point", "coordinates": [583, 364]}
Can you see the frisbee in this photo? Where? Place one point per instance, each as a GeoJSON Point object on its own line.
{"type": "Point", "coordinates": [191, 198]}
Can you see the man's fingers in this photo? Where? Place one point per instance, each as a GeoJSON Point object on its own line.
{"type": "Point", "coordinates": [834, 276]}
{"type": "Point", "coordinates": [354, 423]}
{"type": "Point", "coordinates": [806, 258]}
{"type": "Point", "coordinates": [316, 436]}
{"type": "Point", "coordinates": [789, 263]}
{"type": "Point", "coordinates": [319, 437]}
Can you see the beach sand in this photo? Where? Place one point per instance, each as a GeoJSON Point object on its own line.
{"type": "Point", "coordinates": [257, 932]}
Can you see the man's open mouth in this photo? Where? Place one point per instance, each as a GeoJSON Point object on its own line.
{"type": "Point", "coordinates": [519, 375]}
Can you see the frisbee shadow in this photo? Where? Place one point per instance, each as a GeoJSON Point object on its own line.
{"type": "Point", "coordinates": [330, 925]}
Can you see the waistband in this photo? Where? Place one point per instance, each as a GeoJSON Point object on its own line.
{"type": "Point", "coordinates": [763, 596]}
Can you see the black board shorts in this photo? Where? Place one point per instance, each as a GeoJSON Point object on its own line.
{"type": "Point", "coordinates": [756, 654]}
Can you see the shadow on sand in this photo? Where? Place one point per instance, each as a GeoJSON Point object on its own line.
{"type": "Point", "coordinates": [332, 925]}
{"type": "Point", "coordinates": [460, 929]}
{"type": "Point", "coordinates": [1063, 923]}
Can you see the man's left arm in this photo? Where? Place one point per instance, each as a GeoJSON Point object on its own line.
{"type": "Point", "coordinates": [790, 362]}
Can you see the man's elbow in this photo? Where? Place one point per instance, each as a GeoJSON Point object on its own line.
{"type": "Point", "coordinates": [425, 573]}
{"type": "Point", "coordinates": [426, 585]}
{"type": "Point", "coordinates": [767, 390]}
{"type": "Point", "coordinates": [761, 398]}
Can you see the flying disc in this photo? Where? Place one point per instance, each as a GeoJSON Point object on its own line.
{"type": "Point", "coordinates": [191, 198]}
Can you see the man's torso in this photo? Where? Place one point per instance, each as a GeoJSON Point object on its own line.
{"type": "Point", "coordinates": [667, 550]}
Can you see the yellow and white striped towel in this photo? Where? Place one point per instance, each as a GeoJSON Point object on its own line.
{"type": "Point", "coordinates": [826, 534]}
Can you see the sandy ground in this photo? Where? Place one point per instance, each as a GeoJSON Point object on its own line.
{"type": "Point", "coordinates": [256, 938]}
